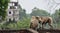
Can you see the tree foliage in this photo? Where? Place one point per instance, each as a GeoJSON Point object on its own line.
{"type": "Point", "coordinates": [22, 13]}
{"type": "Point", "coordinates": [25, 23]}
{"type": "Point", "coordinates": [57, 15]}
{"type": "Point", "coordinates": [39, 12]}
{"type": "Point", "coordinates": [3, 7]}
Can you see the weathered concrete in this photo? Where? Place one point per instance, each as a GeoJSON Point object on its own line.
{"type": "Point", "coordinates": [31, 31]}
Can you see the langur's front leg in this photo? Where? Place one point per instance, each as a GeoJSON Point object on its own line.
{"type": "Point", "coordinates": [42, 26]}
{"type": "Point", "coordinates": [51, 27]}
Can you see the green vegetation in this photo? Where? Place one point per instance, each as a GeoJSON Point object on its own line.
{"type": "Point", "coordinates": [39, 12]}
{"type": "Point", "coordinates": [56, 18]}
{"type": "Point", "coordinates": [3, 7]}
{"type": "Point", "coordinates": [25, 23]}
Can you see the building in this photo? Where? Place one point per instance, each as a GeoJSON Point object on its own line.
{"type": "Point", "coordinates": [13, 11]}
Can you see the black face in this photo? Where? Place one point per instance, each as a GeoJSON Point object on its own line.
{"type": "Point", "coordinates": [39, 21]}
{"type": "Point", "coordinates": [37, 17]}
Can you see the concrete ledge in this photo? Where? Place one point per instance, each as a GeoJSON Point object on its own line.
{"type": "Point", "coordinates": [31, 31]}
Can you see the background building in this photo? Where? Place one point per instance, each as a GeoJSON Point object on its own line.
{"type": "Point", "coordinates": [13, 11]}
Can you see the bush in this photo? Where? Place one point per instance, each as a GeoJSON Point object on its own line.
{"type": "Point", "coordinates": [25, 23]}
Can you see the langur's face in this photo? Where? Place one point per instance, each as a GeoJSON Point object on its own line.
{"type": "Point", "coordinates": [40, 19]}
{"type": "Point", "coordinates": [33, 17]}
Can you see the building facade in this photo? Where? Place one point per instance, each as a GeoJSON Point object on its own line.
{"type": "Point", "coordinates": [13, 11]}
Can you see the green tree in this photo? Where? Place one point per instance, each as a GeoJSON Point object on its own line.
{"type": "Point", "coordinates": [56, 18]}
{"type": "Point", "coordinates": [39, 12]}
{"type": "Point", "coordinates": [3, 7]}
{"type": "Point", "coordinates": [57, 15]}
{"type": "Point", "coordinates": [22, 14]}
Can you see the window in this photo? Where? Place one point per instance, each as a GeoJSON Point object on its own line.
{"type": "Point", "coordinates": [16, 4]}
{"type": "Point", "coordinates": [9, 20]}
{"type": "Point", "coordinates": [12, 7]}
{"type": "Point", "coordinates": [9, 12]}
